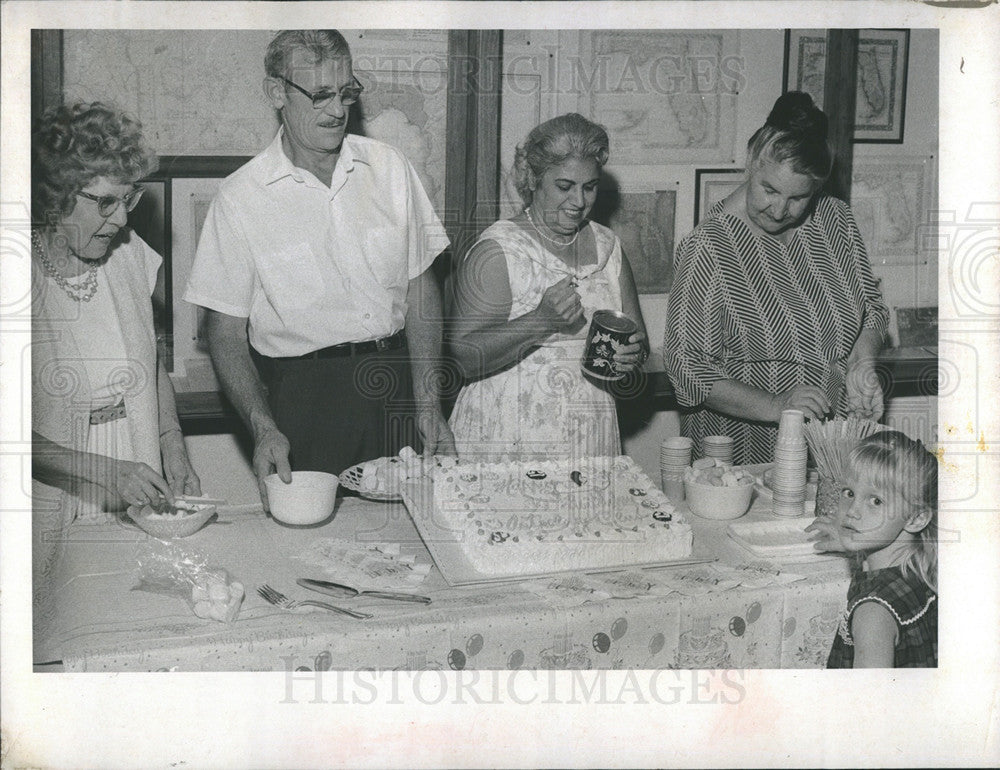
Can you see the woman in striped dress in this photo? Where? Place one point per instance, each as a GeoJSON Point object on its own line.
{"type": "Point", "coordinates": [774, 305]}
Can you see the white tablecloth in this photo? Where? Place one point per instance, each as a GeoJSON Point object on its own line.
{"type": "Point", "coordinates": [101, 624]}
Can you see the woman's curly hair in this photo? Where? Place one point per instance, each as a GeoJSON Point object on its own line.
{"type": "Point", "coordinates": [74, 144]}
{"type": "Point", "coordinates": [554, 142]}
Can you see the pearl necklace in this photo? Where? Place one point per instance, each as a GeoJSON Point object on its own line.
{"type": "Point", "coordinates": [570, 242]}
{"type": "Point", "coordinates": [81, 292]}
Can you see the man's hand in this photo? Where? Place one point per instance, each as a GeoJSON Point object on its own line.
{"type": "Point", "coordinates": [270, 455]}
{"type": "Point", "coordinates": [435, 433]}
{"type": "Point", "coordinates": [423, 338]}
{"type": "Point", "coordinates": [241, 382]}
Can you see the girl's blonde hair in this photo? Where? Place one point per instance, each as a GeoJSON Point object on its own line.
{"type": "Point", "coordinates": [891, 461]}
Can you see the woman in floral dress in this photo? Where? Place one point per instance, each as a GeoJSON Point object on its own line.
{"type": "Point", "coordinates": [524, 298]}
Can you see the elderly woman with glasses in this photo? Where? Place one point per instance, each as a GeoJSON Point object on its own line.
{"type": "Point", "coordinates": [104, 423]}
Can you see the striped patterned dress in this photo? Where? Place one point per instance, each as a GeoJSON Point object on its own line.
{"type": "Point", "coordinates": [771, 315]}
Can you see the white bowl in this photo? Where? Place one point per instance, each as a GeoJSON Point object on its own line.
{"type": "Point", "coordinates": [182, 523]}
{"type": "Point", "coordinates": [719, 503]}
{"type": "Point", "coordinates": [309, 499]}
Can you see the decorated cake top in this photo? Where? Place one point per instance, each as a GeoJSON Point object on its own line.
{"type": "Point", "coordinates": [593, 499]}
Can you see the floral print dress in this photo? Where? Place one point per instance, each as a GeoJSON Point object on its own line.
{"type": "Point", "coordinates": [543, 407]}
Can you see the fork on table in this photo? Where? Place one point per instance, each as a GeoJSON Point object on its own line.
{"type": "Point", "coordinates": [278, 599]}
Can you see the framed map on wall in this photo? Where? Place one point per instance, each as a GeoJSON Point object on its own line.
{"type": "Point", "coordinates": [196, 93]}
{"type": "Point", "coordinates": [407, 109]}
{"type": "Point", "coordinates": [892, 200]}
{"type": "Point", "coordinates": [665, 96]}
{"type": "Point", "coordinates": [881, 78]}
{"type": "Point", "coordinates": [644, 223]}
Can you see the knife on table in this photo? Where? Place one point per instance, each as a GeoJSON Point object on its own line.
{"type": "Point", "coordinates": [345, 592]}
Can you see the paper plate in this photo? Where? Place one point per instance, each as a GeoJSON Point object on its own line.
{"type": "Point", "coordinates": [351, 479]}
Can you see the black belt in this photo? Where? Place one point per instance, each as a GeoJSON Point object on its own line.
{"type": "Point", "coordinates": [345, 349]}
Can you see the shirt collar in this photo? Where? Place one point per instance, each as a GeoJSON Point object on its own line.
{"type": "Point", "coordinates": [276, 165]}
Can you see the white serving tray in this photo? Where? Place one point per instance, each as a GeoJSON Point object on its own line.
{"type": "Point", "coordinates": [777, 538]}
{"type": "Point", "coordinates": [445, 544]}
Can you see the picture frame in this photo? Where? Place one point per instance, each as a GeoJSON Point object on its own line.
{"type": "Point", "coordinates": [169, 219]}
{"type": "Point", "coordinates": [711, 185]}
{"type": "Point", "coordinates": [648, 88]}
{"type": "Point", "coordinates": [880, 107]}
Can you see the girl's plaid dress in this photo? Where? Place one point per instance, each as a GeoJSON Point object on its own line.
{"type": "Point", "coordinates": [914, 607]}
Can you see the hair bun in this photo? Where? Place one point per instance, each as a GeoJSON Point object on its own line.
{"type": "Point", "coordinates": [795, 111]}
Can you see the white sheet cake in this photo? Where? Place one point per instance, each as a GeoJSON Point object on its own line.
{"type": "Point", "coordinates": [596, 513]}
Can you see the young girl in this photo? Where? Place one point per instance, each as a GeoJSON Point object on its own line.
{"type": "Point", "coordinates": [887, 520]}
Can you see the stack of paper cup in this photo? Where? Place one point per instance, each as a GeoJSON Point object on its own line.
{"type": "Point", "coordinates": [788, 479]}
{"type": "Point", "coordinates": [675, 458]}
{"type": "Point", "coordinates": [719, 447]}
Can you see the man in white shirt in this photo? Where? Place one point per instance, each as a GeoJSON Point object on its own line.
{"type": "Point", "coordinates": [323, 315]}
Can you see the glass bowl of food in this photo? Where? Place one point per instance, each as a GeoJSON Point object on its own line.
{"type": "Point", "coordinates": [165, 521]}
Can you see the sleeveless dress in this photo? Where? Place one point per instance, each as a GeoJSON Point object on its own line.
{"type": "Point", "coordinates": [85, 356]}
{"type": "Point", "coordinates": [543, 407]}
{"type": "Point", "coordinates": [104, 365]}
{"type": "Point", "coordinates": [912, 604]}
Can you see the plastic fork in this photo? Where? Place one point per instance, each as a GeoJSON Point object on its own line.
{"type": "Point", "coordinates": [278, 599]}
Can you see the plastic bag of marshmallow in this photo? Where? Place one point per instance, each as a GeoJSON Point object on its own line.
{"type": "Point", "coordinates": [170, 569]}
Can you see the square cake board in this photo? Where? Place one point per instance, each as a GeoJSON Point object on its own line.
{"type": "Point", "coordinates": [446, 549]}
